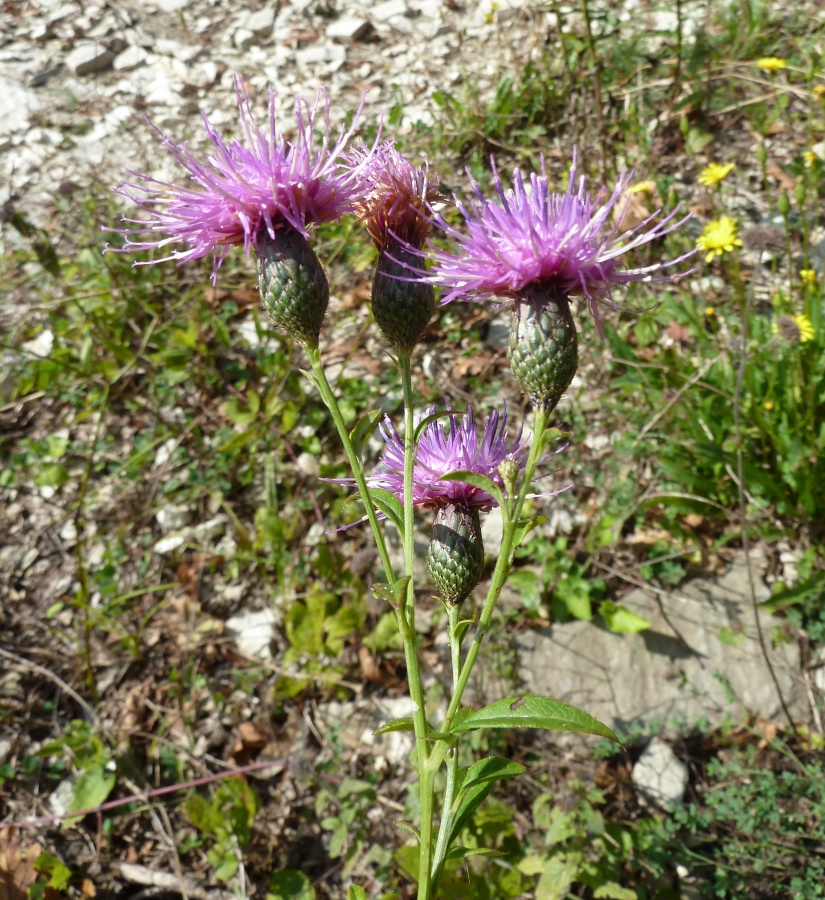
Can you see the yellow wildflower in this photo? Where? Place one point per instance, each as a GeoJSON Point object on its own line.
{"type": "Point", "coordinates": [794, 329]}
{"type": "Point", "coordinates": [714, 173]}
{"type": "Point", "coordinates": [807, 276]}
{"type": "Point", "coordinates": [768, 404]}
{"type": "Point", "coordinates": [718, 237]}
{"type": "Point", "coordinates": [806, 328]}
{"type": "Point", "coordinates": [810, 157]}
{"type": "Point", "coordinates": [643, 187]}
{"type": "Point", "coordinates": [771, 63]}
{"type": "Point", "coordinates": [710, 311]}
{"type": "Point", "coordinates": [819, 91]}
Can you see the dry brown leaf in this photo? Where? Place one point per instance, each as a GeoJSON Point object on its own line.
{"type": "Point", "coordinates": [369, 669]}
{"type": "Point", "coordinates": [647, 537]}
{"type": "Point", "coordinates": [694, 520]}
{"type": "Point", "coordinates": [679, 333]}
{"type": "Point", "coordinates": [17, 872]}
{"type": "Point", "coordinates": [785, 181]}
{"type": "Point", "coordinates": [633, 208]}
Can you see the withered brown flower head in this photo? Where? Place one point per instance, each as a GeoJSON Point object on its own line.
{"type": "Point", "coordinates": [764, 238]}
{"type": "Point", "coordinates": [395, 199]}
{"type": "Point", "coordinates": [789, 329]}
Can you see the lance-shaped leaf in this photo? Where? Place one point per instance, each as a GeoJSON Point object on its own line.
{"type": "Point", "coordinates": [494, 768]}
{"type": "Point", "coordinates": [363, 428]}
{"type": "Point", "coordinates": [389, 505]}
{"type": "Point", "coordinates": [533, 712]}
{"type": "Point", "coordinates": [482, 482]}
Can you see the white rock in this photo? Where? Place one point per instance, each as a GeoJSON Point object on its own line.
{"type": "Point", "coordinates": [88, 57]}
{"type": "Point", "coordinates": [492, 531]}
{"type": "Point", "coordinates": [173, 518]}
{"type": "Point", "coordinates": [17, 104]}
{"type": "Point", "coordinates": [68, 533]}
{"type": "Point", "coordinates": [211, 527]}
{"type": "Point", "coordinates": [388, 10]}
{"type": "Point", "coordinates": [308, 464]}
{"type": "Point", "coordinates": [660, 776]}
{"type": "Point", "coordinates": [243, 39]}
{"type": "Point", "coordinates": [131, 58]}
{"type": "Point", "coordinates": [170, 6]}
{"type": "Point", "coordinates": [253, 631]}
{"type": "Point", "coordinates": [164, 453]}
{"type": "Point", "coordinates": [5, 749]}
{"type": "Point", "coordinates": [348, 29]}
{"type": "Point", "coordinates": [41, 346]}
{"type": "Point", "coordinates": [61, 797]}
{"type": "Point", "coordinates": [260, 23]}
{"type": "Point", "coordinates": [169, 544]}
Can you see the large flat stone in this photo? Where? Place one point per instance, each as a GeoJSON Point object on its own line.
{"type": "Point", "coordinates": [701, 661]}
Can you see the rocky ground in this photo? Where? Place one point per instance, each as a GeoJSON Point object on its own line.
{"type": "Point", "coordinates": [77, 82]}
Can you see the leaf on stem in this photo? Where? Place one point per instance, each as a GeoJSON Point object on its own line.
{"type": "Point", "coordinates": [460, 852]}
{"type": "Point", "coordinates": [410, 829]}
{"type": "Point", "coordinates": [494, 768]}
{"type": "Point", "coordinates": [405, 723]}
{"type": "Point", "coordinates": [533, 712]}
{"type": "Point", "coordinates": [482, 482]}
{"type": "Point", "coordinates": [363, 428]}
{"type": "Point", "coordinates": [431, 418]}
{"type": "Point", "coordinates": [525, 526]}
{"type": "Point", "coordinates": [394, 593]}
{"type": "Point", "coordinates": [389, 505]}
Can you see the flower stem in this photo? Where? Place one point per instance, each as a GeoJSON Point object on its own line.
{"type": "Point", "coordinates": [426, 776]}
{"type": "Point", "coordinates": [442, 844]}
{"type": "Point", "coordinates": [502, 570]}
{"type": "Point", "coordinates": [331, 403]}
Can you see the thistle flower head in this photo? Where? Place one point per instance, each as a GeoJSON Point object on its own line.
{"type": "Point", "coordinates": [531, 237]}
{"type": "Point", "coordinates": [245, 187]}
{"type": "Point", "coordinates": [396, 196]}
{"type": "Point", "coordinates": [444, 450]}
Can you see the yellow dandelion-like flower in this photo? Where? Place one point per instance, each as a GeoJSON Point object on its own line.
{"type": "Point", "coordinates": [714, 173]}
{"type": "Point", "coordinates": [768, 405]}
{"type": "Point", "coordinates": [718, 237]}
{"type": "Point", "coordinates": [794, 329]}
{"type": "Point", "coordinates": [806, 328]}
{"type": "Point", "coordinates": [643, 187]}
{"type": "Point", "coordinates": [807, 276]}
{"type": "Point", "coordinates": [810, 157]}
{"type": "Point", "coordinates": [710, 311]}
{"type": "Point", "coordinates": [771, 63]}
{"type": "Point", "coordinates": [819, 91]}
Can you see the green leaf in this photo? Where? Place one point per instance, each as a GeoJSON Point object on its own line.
{"type": "Point", "coordinates": [494, 768]}
{"type": "Point", "coordinates": [782, 599]}
{"type": "Point", "coordinates": [469, 802]}
{"type": "Point", "coordinates": [392, 593]}
{"type": "Point", "coordinates": [460, 852]}
{"type": "Point", "coordinates": [559, 874]}
{"type": "Point", "coordinates": [419, 428]}
{"type": "Point", "coordinates": [92, 788]}
{"type": "Point", "coordinates": [403, 724]}
{"type": "Point", "coordinates": [610, 890]}
{"type": "Point", "coordinates": [410, 829]}
{"type": "Point", "coordinates": [53, 475]}
{"type": "Point", "coordinates": [525, 526]}
{"type": "Point", "coordinates": [482, 482]}
{"type": "Point", "coordinates": [620, 620]}
{"type": "Point", "coordinates": [363, 428]}
{"type": "Point", "coordinates": [389, 505]}
{"type": "Point", "coordinates": [356, 893]}
{"type": "Point", "coordinates": [59, 873]}
{"type": "Point", "coordinates": [533, 712]}
{"type": "Point", "coordinates": [242, 414]}
{"type": "Point", "coordinates": [290, 884]}
{"type": "Point", "coordinates": [56, 446]}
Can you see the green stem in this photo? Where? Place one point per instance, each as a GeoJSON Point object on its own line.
{"type": "Point", "coordinates": [354, 462]}
{"type": "Point", "coordinates": [442, 844]}
{"type": "Point", "coordinates": [502, 570]}
{"type": "Point", "coordinates": [426, 776]}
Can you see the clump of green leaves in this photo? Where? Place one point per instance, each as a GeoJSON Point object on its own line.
{"type": "Point", "coordinates": [225, 820]}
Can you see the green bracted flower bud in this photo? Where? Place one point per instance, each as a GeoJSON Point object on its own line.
{"type": "Point", "coordinates": [456, 554]}
{"type": "Point", "coordinates": [543, 348]}
{"type": "Point", "coordinates": [292, 285]}
{"type": "Point", "coordinates": [402, 309]}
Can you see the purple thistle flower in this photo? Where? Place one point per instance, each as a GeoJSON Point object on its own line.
{"type": "Point", "coordinates": [396, 196]}
{"type": "Point", "coordinates": [245, 188]}
{"type": "Point", "coordinates": [441, 452]}
{"type": "Point", "coordinates": [560, 244]}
